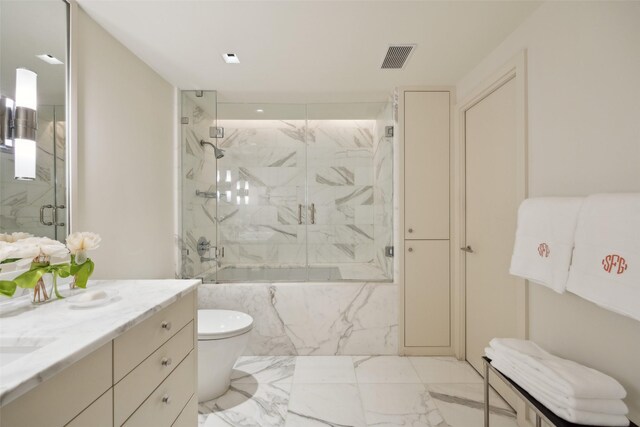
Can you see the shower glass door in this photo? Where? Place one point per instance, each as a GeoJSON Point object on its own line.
{"type": "Point", "coordinates": [261, 184]}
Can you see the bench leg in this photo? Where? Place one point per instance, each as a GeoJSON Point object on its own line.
{"type": "Point", "coordinates": [486, 394]}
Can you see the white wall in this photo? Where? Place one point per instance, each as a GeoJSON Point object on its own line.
{"type": "Point", "coordinates": [125, 189]}
{"type": "Point", "coordinates": [584, 137]}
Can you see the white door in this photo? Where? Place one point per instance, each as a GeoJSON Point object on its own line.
{"type": "Point", "coordinates": [491, 207]}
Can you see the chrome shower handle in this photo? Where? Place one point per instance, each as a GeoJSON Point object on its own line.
{"type": "Point", "coordinates": [299, 214]}
{"type": "Point", "coordinates": [55, 215]}
{"type": "Point", "coordinates": [313, 213]}
{"type": "Point", "coordinates": [42, 208]}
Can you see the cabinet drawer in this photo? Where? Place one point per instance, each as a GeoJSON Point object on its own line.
{"type": "Point", "coordinates": [58, 400]}
{"type": "Point", "coordinates": [99, 414]}
{"type": "Point", "coordinates": [139, 383]}
{"type": "Point", "coordinates": [166, 402]}
{"type": "Point", "coordinates": [189, 415]}
{"type": "Point", "coordinates": [135, 345]}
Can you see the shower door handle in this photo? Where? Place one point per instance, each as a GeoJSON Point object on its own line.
{"type": "Point", "coordinates": [313, 213]}
{"type": "Point", "coordinates": [299, 214]}
{"type": "Point", "coordinates": [55, 215]}
{"type": "Point", "coordinates": [42, 208]}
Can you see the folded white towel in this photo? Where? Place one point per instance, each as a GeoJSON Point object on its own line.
{"type": "Point", "coordinates": [606, 260]}
{"type": "Point", "coordinates": [572, 378]}
{"type": "Point", "coordinates": [531, 382]}
{"type": "Point", "coordinates": [573, 415]}
{"type": "Point", "coordinates": [544, 240]}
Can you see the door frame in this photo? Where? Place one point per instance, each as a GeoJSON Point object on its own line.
{"type": "Point", "coordinates": [514, 69]}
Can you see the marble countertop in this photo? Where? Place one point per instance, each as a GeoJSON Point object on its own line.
{"type": "Point", "coordinates": [36, 342]}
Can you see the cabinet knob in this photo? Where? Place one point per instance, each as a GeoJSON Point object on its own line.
{"type": "Point", "coordinates": [410, 230]}
{"type": "Point", "coordinates": [166, 325]}
{"type": "Point", "coordinates": [166, 399]}
{"type": "Point", "coordinates": [166, 361]}
{"type": "Point", "coordinates": [410, 249]}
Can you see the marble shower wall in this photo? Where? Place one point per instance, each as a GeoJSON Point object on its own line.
{"type": "Point", "coordinates": [21, 200]}
{"type": "Point", "coordinates": [312, 318]}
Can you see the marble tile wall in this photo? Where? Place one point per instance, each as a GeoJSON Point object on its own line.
{"type": "Point", "coordinates": [20, 201]}
{"type": "Point", "coordinates": [312, 318]}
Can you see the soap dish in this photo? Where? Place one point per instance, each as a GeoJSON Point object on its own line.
{"type": "Point", "coordinates": [92, 298]}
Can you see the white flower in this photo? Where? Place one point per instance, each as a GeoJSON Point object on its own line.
{"type": "Point", "coordinates": [80, 242]}
{"type": "Point", "coordinates": [6, 250]}
{"type": "Point", "coordinates": [14, 237]}
{"type": "Point", "coordinates": [33, 247]}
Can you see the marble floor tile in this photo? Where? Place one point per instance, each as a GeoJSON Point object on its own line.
{"type": "Point", "coordinates": [325, 405]}
{"type": "Point", "coordinates": [461, 405]}
{"type": "Point", "coordinates": [247, 405]}
{"type": "Point", "coordinates": [324, 369]}
{"type": "Point", "coordinates": [384, 369]}
{"type": "Point", "coordinates": [444, 370]}
{"type": "Point", "coordinates": [388, 405]}
{"type": "Point", "coordinates": [264, 369]}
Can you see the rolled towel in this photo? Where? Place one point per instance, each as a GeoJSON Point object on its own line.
{"type": "Point", "coordinates": [533, 385]}
{"type": "Point", "coordinates": [606, 261]}
{"type": "Point", "coordinates": [572, 415]}
{"type": "Point", "coordinates": [572, 378]}
{"type": "Point", "coordinates": [545, 239]}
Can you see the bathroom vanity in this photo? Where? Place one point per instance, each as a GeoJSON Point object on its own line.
{"type": "Point", "coordinates": [128, 362]}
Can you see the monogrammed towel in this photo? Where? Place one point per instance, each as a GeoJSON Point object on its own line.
{"type": "Point", "coordinates": [606, 259]}
{"type": "Point", "coordinates": [544, 240]}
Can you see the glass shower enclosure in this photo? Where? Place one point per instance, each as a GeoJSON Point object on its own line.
{"type": "Point", "coordinates": [286, 192]}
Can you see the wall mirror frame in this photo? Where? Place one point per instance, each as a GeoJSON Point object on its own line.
{"type": "Point", "coordinates": [43, 205]}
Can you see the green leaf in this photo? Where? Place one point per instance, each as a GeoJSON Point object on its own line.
{"type": "Point", "coordinates": [83, 273]}
{"type": "Point", "coordinates": [7, 287]}
{"type": "Point", "coordinates": [30, 278]}
{"type": "Point", "coordinates": [9, 260]}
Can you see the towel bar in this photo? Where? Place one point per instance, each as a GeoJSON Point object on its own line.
{"type": "Point", "coordinates": [541, 411]}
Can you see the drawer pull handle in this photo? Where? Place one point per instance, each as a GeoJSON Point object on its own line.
{"type": "Point", "coordinates": [166, 361]}
{"type": "Point", "coordinates": [166, 325]}
{"type": "Point", "coordinates": [410, 249]}
{"type": "Point", "coordinates": [410, 230]}
{"type": "Point", "coordinates": [166, 399]}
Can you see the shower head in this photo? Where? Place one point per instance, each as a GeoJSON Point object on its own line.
{"type": "Point", "coordinates": [219, 153]}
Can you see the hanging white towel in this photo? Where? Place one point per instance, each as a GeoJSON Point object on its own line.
{"type": "Point", "coordinates": [571, 378]}
{"type": "Point", "coordinates": [606, 260]}
{"type": "Point", "coordinates": [530, 381]}
{"type": "Point", "coordinates": [544, 240]}
{"type": "Point", "coordinates": [570, 414]}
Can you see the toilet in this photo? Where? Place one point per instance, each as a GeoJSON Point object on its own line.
{"type": "Point", "coordinates": [222, 337]}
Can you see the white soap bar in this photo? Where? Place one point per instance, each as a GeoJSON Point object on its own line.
{"type": "Point", "coordinates": [91, 296]}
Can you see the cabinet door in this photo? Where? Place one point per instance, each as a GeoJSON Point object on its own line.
{"type": "Point", "coordinates": [426, 165]}
{"type": "Point", "coordinates": [427, 294]}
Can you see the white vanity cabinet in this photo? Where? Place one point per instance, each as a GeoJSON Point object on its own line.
{"type": "Point", "coordinates": [144, 377]}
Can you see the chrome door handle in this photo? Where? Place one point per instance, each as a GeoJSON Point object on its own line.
{"type": "Point", "coordinates": [42, 208]}
{"type": "Point", "coordinates": [467, 249]}
{"type": "Point", "coordinates": [299, 214]}
{"type": "Point", "coordinates": [313, 213]}
{"type": "Point", "coordinates": [55, 215]}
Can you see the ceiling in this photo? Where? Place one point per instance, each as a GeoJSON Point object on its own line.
{"type": "Point", "coordinates": [307, 51]}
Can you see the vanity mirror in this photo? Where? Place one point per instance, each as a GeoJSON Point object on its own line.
{"type": "Point", "coordinates": [33, 142]}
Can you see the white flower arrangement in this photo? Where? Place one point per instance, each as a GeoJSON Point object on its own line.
{"type": "Point", "coordinates": [45, 255]}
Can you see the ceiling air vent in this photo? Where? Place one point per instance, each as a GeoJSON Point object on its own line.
{"type": "Point", "coordinates": [397, 56]}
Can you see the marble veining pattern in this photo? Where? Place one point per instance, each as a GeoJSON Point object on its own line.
{"type": "Point", "coordinates": [312, 318]}
{"type": "Point", "coordinates": [326, 391]}
{"type": "Point", "coordinates": [71, 334]}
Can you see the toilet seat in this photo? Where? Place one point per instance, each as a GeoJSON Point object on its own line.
{"type": "Point", "coordinates": [220, 324]}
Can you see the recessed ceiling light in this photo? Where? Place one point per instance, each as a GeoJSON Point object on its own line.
{"type": "Point", "coordinates": [230, 58]}
{"type": "Point", "coordinates": [259, 110]}
{"type": "Point", "coordinates": [50, 59]}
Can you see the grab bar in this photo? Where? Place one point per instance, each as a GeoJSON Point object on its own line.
{"type": "Point", "coordinates": [206, 194]}
{"type": "Point", "coordinates": [299, 214]}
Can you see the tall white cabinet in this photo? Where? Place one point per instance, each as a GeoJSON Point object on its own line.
{"type": "Point", "coordinates": [425, 133]}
